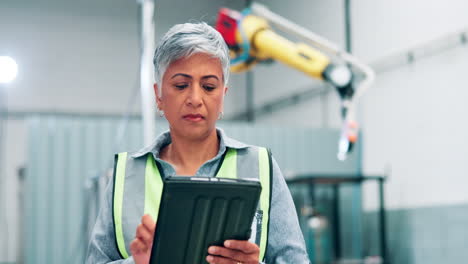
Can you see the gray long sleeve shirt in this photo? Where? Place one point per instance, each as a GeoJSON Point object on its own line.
{"type": "Point", "coordinates": [285, 240]}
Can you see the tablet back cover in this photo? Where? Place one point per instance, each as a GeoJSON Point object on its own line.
{"type": "Point", "coordinates": [196, 213]}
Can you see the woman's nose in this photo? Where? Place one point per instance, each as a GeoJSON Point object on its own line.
{"type": "Point", "coordinates": [195, 96]}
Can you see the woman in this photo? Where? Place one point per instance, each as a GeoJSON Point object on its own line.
{"type": "Point", "coordinates": [191, 72]}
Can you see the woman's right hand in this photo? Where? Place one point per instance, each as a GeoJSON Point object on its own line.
{"type": "Point", "coordinates": [143, 243]}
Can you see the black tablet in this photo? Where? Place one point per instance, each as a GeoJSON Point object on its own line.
{"type": "Point", "coordinates": [197, 212]}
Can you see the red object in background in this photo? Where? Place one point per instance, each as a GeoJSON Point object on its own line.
{"type": "Point", "coordinates": [352, 131]}
{"type": "Point", "coordinates": [226, 24]}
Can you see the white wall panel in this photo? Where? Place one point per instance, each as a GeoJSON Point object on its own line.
{"type": "Point", "coordinates": [414, 120]}
{"type": "Point", "coordinates": [381, 28]}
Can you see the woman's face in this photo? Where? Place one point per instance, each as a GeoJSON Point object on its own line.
{"type": "Point", "coordinates": [192, 95]}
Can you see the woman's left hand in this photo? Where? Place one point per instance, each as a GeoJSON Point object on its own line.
{"type": "Point", "coordinates": [234, 252]}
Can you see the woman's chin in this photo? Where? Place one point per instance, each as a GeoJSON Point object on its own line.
{"type": "Point", "coordinates": [196, 132]}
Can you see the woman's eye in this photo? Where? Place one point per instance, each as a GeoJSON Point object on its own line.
{"type": "Point", "coordinates": [181, 86]}
{"type": "Point", "coordinates": [209, 88]}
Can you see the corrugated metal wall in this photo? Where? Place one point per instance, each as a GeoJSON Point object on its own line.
{"type": "Point", "coordinates": [65, 153]}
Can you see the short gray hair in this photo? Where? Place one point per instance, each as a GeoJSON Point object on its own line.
{"type": "Point", "coordinates": [184, 40]}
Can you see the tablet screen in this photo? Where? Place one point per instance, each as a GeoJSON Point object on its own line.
{"type": "Point", "coordinates": [197, 212]}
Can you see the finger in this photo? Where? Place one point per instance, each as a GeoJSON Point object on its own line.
{"type": "Point", "coordinates": [149, 223]}
{"type": "Point", "coordinates": [138, 246]}
{"type": "Point", "coordinates": [220, 260]}
{"type": "Point", "coordinates": [232, 254]}
{"type": "Point", "coordinates": [242, 245]}
{"type": "Point", "coordinates": [144, 234]}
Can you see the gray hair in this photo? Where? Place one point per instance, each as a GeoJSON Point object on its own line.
{"type": "Point", "coordinates": [184, 40]}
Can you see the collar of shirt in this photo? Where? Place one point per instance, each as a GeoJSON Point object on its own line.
{"type": "Point", "coordinates": [165, 138]}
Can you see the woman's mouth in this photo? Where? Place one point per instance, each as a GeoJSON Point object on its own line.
{"type": "Point", "coordinates": [193, 117]}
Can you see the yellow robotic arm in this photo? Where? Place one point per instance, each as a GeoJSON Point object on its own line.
{"type": "Point", "coordinates": [266, 44]}
{"type": "Point", "coordinates": [251, 40]}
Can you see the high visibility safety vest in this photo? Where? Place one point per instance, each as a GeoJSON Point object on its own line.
{"type": "Point", "coordinates": [134, 195]}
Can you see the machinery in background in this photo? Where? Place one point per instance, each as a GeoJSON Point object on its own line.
{"type": "Point", "coordinates": [251, 40]}
{"type": "Point", "coordinates": [322, 202]}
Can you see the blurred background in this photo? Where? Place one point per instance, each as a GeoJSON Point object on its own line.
{"type": "Point", "coordinates": [400, 197]}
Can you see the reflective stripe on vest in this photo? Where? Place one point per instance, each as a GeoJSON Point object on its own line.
{"type": "Point", "coordinates": [264, 168]}
{"type": "Point", "coordinates": [119, 184]}
{"type": "Point", "coordinates": [228, 168]}
{"type": "Point", "coordinates": [154, 185]}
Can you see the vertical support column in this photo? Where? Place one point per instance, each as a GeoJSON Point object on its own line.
{"type": "Point", "coordinates": [347, 9]}
{"type": "Point", "coordinates": [20, 252]}
{"type": "Point", "coordinates": [249, 86]}
{"type": "Point", "coordinates": [250, 96]}
{"type": "Point", "coordinates": [147, 41]}
{"type": "Point", "coordinates": [382, 224]}
{"type": "Point", "coordinates": [4, 181]}
{"type": "Point", "coordinates": [336, 222]}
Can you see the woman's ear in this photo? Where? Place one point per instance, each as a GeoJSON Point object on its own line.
{"type": "Point", "coordinates": [156, 95]}
{"type": "Point", "coordinates": [225, 90]}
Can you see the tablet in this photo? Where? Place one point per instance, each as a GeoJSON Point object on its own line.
{"type": "Point", "coordinates": [197, 212]}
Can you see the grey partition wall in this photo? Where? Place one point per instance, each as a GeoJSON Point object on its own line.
{"type": "Point", "coordinates": [65, 154]}
{"type": "Point", "coordinates": [298, 150]}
